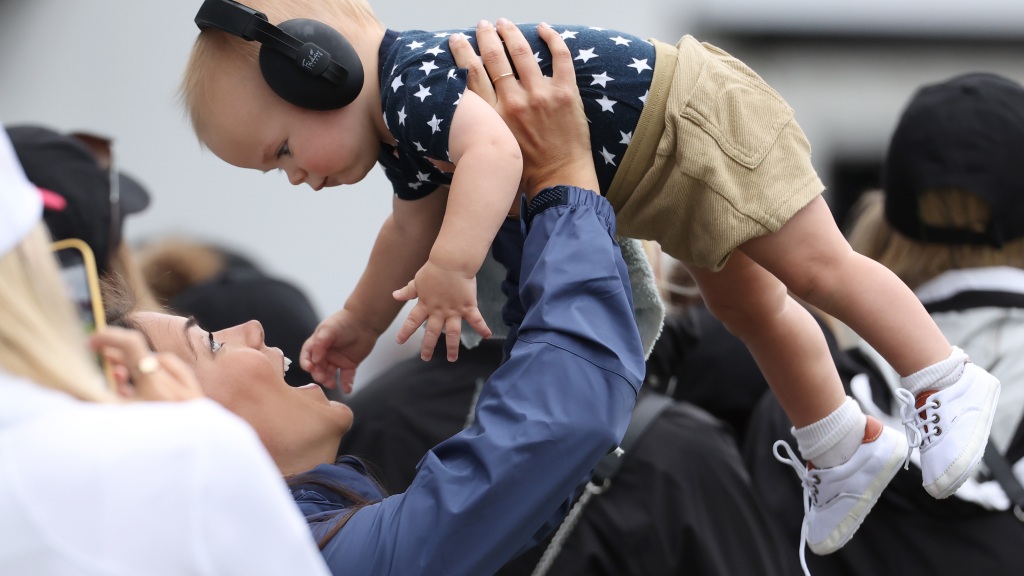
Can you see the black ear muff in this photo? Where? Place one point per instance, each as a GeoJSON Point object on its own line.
{"type": "Point", "coordinates": [301, 79]}
{"type": "Point", "coordinates": [305, 62]}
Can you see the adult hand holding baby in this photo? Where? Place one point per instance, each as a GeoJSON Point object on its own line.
{"type": "Point", "coordinates": [536, 108]}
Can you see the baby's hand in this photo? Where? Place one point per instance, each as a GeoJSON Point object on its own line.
{"type": "Point", "coordinates": [445, 298]}
{"type": "Point", "coordinates": [340, 342]}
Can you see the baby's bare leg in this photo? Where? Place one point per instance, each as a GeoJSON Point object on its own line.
{"type": "Point", "coordinates": [951, 400]}
{"type": "Point", "coordinates": [810, 256]}
{"type": "Point", "coordinates": [783, 337]}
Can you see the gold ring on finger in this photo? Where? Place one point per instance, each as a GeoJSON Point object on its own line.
{"type": "Point", "coordinates": [500, 76]}
{"type": "Point", "coordinates": [147, 365]}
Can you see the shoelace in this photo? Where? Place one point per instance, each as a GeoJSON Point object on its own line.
{"type": "Point", "coordinates": [920, 423]}
{"type": "Point", "coordinates": [810, 483]}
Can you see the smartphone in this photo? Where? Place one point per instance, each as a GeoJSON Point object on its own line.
{"type": "Point", "coordinates": [78, 268]}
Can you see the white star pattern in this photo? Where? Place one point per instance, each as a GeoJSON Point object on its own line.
{"type": "Point", "coordinates": [603, 79]}
{"type": "Point", "coordinates": [644, 97]}
{"type": "Point", "coordinates": [613, 100]}
{"type": "Point", "coordinates": [609, 158]}
{"type": "Point", "coordinates": [587, 55]}
{"type": "Point", "coordinates": [606, 104]}
{"type": "Point", "coordinates": [423, 93]}
{"type": "Point", "coordinates": [640, 65]}
{"type": "Point", "coordinates": [435, 123]}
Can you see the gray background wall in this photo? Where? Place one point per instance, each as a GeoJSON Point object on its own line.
{"type": "Point", "coordinates": [113, 66]}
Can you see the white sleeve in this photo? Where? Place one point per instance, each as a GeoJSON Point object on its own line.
{"type": "Point", "coordinates": [245, 520]}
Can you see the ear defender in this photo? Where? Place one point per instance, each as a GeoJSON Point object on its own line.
{"type": "Point", "coordinates": [305, 62]}
{"type": "Point", "coordinates": [300, 79]}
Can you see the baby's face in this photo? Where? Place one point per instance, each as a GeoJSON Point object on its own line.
{"type": "Point", "coordinates": [251, 127]}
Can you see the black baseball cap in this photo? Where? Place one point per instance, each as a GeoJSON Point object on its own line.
{"type": "Point", "coordinates": [76, 187]}
{"type": "Point", "coordinates": [965, 133]}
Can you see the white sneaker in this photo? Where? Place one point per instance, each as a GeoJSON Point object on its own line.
{"type": "Point", "coordinates": [951, 428]}
{"type": "Point", "coordinates": [837, 499]}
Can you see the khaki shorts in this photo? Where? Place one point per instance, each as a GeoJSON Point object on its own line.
{"type": "Point", "coordinates": [730, 165]}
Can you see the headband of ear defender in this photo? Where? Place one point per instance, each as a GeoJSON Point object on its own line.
{"type": "Point", "coordinates": [306, 62]}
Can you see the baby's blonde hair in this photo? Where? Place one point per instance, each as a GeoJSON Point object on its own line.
{"type": "Point", "coordinates": [41, 336]}
{"type": "Point", "coordinates": [215, 48]}
{"type": "Point", "coordinates": [917, 262]}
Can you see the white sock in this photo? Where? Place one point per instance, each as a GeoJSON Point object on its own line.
{"type": "Point", "coordinates": [833, 439]}
{"type": "Point", "coordinates": [937, 376]}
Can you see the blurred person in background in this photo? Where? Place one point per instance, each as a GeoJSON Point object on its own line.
{"type": "Point", "coordinates": [86, 195]}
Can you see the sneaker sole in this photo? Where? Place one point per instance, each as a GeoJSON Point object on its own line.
{"type": "Point", "coordinates": [851, 523]}
{"type": "Point", "coordinates": [976, 446]}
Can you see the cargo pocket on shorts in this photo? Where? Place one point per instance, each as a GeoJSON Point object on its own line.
{"type": "Point", "coordinates": [739, 110]}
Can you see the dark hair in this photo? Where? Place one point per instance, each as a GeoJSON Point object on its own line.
{"type": "Point", "coordinates": [342, 517]}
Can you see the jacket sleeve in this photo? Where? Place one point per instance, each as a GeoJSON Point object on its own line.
{"type": "Point", "coordinates": [545, 417]}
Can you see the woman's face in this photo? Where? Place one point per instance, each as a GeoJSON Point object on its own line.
{"type": "Point", "coordinates": [299, 426]}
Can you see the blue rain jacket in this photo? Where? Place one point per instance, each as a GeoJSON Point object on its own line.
{"type": "Point", "coordinates": [559, 403]}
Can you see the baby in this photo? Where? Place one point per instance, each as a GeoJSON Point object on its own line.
{"type": "Point", "coordinates": [693, 150]}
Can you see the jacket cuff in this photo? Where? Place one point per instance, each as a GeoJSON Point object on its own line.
{"type": "Point", "coordinates": [562, 195]}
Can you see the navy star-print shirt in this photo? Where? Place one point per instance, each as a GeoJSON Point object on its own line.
{"type": "Point", "coordinates": [421, 88]}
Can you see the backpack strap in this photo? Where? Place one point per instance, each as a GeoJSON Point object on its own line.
{"type": "Point", "coordinates": [1002, 471]}
{"type": "Point", "coordinates": [647, 409]}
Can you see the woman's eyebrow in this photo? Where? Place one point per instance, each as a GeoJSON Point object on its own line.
{"type": "Point", "coordinates": [190, 323]}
